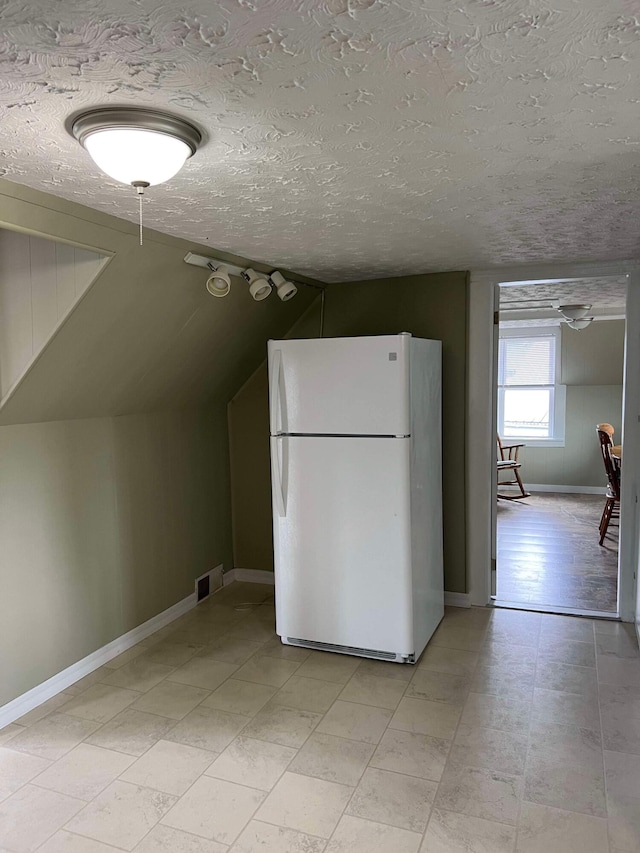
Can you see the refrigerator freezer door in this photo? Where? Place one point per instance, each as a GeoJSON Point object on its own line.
{"type": "Point", "coordinates": [340, 386]}
{"type": "Point", "coordinates": [342, 541]}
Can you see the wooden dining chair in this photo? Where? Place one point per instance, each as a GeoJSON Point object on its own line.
{"type": "Point", "coordinates": [508, 461]}
{"type": "Point", "coordinates": [616, 449]}
{"type": "Point", "coordinates": [612, 501]}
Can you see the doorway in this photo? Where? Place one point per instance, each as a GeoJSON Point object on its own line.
{"type": "Point", "coordinates": [559, 374]}
{"type": "Point", "coordinates": [482, 539]}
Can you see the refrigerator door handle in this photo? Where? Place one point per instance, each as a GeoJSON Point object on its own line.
{"type": "Point", "coordinates": [278, 467]}
{"type": "Point", "coordinates": [277, 396]}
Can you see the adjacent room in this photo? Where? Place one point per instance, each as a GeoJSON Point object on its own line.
{"type": "Point", "coordinates": [560, 377]}
{"type": "Point", "coordinates": [252, 358]}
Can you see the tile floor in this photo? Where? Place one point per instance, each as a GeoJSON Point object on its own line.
{"type": "Point", "coordinates": [516, 731]}
{"type": "Point", "coordinates": [548, 552]}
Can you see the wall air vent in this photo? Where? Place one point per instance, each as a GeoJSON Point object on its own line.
{"type": "Point", "coordinates": [203, 587]}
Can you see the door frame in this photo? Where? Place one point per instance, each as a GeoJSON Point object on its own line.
{"type": "Point", "coordinates": [481, 372]}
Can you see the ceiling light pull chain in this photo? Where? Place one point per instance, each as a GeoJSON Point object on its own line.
{"type": "Point", "coordinates": [140, 187]}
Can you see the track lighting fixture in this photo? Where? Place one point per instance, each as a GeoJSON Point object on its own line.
{"type": "Point", "coordinates": [259, 286]}
{"type": "Point", "coordinates": [286, 289]}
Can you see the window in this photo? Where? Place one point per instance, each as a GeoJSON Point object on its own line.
{"type": "Point", "coordinates": [531, 401]}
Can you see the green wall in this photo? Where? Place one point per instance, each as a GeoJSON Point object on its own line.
{"type": "Point", "coordinates": [250, 465]}
{"type": "Point", "coordinates": [251, 474]}
{"type": "Point", "coordinates": [429, 306]}
{"type": "Point", "coordinates": [592, 370]}
{"type": "Point", "coordinates": [104, 523]}
{"type": "Point", "coordinates": [114, 452]}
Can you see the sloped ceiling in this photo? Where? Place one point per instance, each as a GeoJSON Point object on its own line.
{"type": "Point", "coordinates": [349, 139]}
{"type": "Point", "coordinates": [146, 335]}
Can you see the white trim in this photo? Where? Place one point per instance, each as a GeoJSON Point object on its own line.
{"type": "Point", "coordinates": [457, 599]}
{"type": "Point", "coordinates": [557, 391]}
{"type": "Point", "coordinates": [481, 419]}
{"type": "Point", "coordinates": [248, 576]}
{"type": "Point", "coordinates": [500, 604]}
{"type": "Point", "coordinates": [36, 696]}
{"type": "Point", "coordinates": [566, 490]}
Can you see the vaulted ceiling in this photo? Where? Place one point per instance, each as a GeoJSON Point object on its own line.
{"type": "Point", "coordinates": [348, 138]}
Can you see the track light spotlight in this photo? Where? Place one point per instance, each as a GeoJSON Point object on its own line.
{"type": "Point", "coordinates": [286, 289]}
{"type": "Point", "coordinates": [219, 284]}
{"type": "Point", "coordinates": [259, 286]}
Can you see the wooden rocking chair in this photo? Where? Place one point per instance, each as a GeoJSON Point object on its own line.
{"type": "Point", "coordinates": [508, 461]}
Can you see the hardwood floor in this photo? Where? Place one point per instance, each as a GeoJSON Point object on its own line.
{"type": "Point", "coordinates": [548, 553]}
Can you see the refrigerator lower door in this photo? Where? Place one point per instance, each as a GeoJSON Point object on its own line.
{"type": "Point", "coordinates": [342, 544]}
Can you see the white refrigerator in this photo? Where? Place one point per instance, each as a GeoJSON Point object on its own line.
{"type": "Point", "coordinates": [356, 471]}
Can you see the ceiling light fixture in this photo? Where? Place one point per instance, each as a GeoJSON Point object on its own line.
{"type": "Point", "coordinates": [135, 146]}
{"type": "Point", "coordinates": [286, 290]}
{"type": "Point", "coordinates": [574, 312]}
{"type": "Point", "coordinates": [579, 325]}
{"type": "Point", "coordinates": [575, 316]}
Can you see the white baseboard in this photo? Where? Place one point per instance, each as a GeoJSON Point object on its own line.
{"type": "Point", "coordinates": [248, 576]}
{"type": "Point", "coordinates": [32, 698]}
{"type": "Point", "coordinates": [451, 599]}
{"type": "Point", "coordinates": [457, 599]}
{"type": "Point", "coordinates": [566, 490]}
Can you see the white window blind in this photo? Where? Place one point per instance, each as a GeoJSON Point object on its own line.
{"type": "Point", "coordinates": [531, 401]}
{"type": "Point", "coordinates": [527, 361]}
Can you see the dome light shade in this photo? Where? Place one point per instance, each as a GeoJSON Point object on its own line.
{"type": "Point", "coordinates": [136, 146]}
{"type": "Point", "coordinates": [580, 324]}
{"type": "Point", "coordinates": [132, 156]}
{"type": "Point", "coordinates": [574, 312]}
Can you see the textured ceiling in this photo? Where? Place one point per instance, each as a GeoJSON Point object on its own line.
{"type": "Point", "coordinates": [349, 139]}
{"type": "Point", "coordinates": [609, 292]}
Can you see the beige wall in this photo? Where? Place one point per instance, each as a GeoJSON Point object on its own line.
{"type": "Point", "coordinates": [594, 356]}
{"type": "Point", "coordinates": [104, 523]}
{"type": "Point", "coordinates": [592, 365]}
{"type": "Point", "coordinates": [429, 306]}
